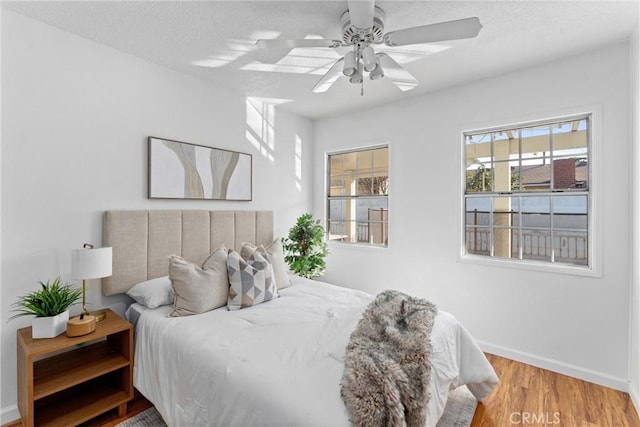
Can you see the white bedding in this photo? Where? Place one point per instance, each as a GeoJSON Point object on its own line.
{"type": "Point", "coordinates": [278, 363]}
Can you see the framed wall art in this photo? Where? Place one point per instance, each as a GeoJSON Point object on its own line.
{"type": "Point", "coordinates": [179, 170]}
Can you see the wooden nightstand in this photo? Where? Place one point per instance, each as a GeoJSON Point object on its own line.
{"type": "Point", "coordinates": [65, 381]}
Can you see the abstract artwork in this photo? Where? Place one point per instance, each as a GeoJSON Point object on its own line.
{"type": "Point", "coordinates": [179, 170]}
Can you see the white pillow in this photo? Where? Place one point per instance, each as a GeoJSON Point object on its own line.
{"type": "Point", "coordinates": [153, 293]}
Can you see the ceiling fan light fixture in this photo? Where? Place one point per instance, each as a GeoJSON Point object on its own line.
{"type": "Point", "coordinates": [349, 68]}
{"type": "Point", "coordinates": [363, 27]}
{"type": "Point", "coordinates": [377, 73]}
{"type": "Point", "coordinates": [369, 59]}
{"type": "Point", "coordinates": [357, 76]}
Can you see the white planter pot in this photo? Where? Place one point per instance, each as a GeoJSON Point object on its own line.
{"type": "Point", "coordinates": [49, 327]}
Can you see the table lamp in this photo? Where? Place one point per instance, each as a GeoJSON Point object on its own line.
{"type": "Point", "coordinates": [88, 263]}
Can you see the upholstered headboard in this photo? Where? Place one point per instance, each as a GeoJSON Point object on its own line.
{"type": "Point", "coordinates": [143, 240]}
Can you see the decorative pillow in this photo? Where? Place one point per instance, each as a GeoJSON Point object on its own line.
{"type": "Point", "coordinates": [196, 289]}
{"type": "Point", "coordinates": [251, 280]}
{"type": "Point", "coordinates": [275, 255]}
{"type": "Point", "coordinates": [153, 293]}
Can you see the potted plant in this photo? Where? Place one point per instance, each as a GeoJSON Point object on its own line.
{"type": "Point", "coordinates": [50, 305]}
{"type": "Point", "coordinates": [305, 248]}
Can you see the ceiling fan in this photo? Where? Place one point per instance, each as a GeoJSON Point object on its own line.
{"type": "Point", "coordinates": [363, 27]}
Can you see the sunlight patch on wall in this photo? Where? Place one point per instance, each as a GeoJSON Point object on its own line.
{"type": "Point", "coordinates": [298, 163]}
{"type": "Point", "coordinates": [261, 124]}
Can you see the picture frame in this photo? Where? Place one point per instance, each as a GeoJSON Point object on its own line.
{"type": "Point", "coordinates": [181, 170]}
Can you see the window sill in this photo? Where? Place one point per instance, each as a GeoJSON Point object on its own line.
{"type": "Point", "coordinates": [557, 268]}
{"type": "Point", "coordinates": [339, 244]}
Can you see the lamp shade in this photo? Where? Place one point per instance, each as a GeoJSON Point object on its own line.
{"type": "Point", "coordinates": [91, 263]}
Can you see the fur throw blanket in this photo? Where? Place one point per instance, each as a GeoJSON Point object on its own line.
{"type": "Point", "coordinates": [387, 362]}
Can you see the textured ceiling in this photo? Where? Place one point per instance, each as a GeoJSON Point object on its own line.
{"type": "Point", "coordinates": [214, 40]}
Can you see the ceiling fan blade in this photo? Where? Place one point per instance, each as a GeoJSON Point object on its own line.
{"type": "Point", "coordinates": [329, 78]}
{"type": "Point", "coordinates": [291, 44]}
{"type": "Point", "coordinates": [361, 13]}
{"type": "Point", "coordinates": [396, 73]}
{"type": "Point", "coordinates": [451, 30]}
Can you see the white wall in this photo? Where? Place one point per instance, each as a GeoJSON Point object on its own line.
{"type": "Point", "coordinates": [573, 324]}
{"type": "Point", "coordinates": [634, 358]}
{"type": "Point", "coordinates": [75, 118]}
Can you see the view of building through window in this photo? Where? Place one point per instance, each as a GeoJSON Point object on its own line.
{"type": "Point", "coordinates": [527, 191]}
{"type": "Point", "coordinates": [357, 193]}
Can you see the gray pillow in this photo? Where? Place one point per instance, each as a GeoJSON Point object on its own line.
{"type": "Point", "coordinates": [275, 255]}
{"type": "Point", "coordinates": [251, 280]}
{"type": "Point", "coordinates": [198, 290]}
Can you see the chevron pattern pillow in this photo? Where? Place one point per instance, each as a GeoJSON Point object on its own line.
{"type": "Point", "coordinates": [251, 280]}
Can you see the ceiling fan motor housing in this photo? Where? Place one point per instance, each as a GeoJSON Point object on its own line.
{"type": "Point", "coordinates": [352, 35]}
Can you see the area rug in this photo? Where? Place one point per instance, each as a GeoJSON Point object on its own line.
{"type": "Point", "coordinates": [461, 405]}
{"type": "Point", "coordinates": [459, 411]}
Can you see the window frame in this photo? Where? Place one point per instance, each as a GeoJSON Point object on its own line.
{"type": "Point", "coordinates": [328, 198]}
{"type": "Point", "coordinates": [594, 226]}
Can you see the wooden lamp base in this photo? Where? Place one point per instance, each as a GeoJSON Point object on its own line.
{"type": "Point", "coordinates": [77, 327]}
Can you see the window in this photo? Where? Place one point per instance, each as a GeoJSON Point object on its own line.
{"type": "Point", "coordinates": [357, 196]}
{"type": "Point", "coordinates": [527, 192]}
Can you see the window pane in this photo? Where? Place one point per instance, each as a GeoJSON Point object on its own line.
{"type": "Point", "coordinates": [372, 215]}
{"type": "Point", "coordinates": [570, 138]}
{"type": "Point", "coordinates": [502, 222]}
{"type": "Point", "coordinates": [505, 146]}
{"type": "Point", "coordinates": [478, 210]}
{"type": "Point", "coordinates": [364, 184]}
{"type": "Point", "coordinates": [503, 242]}
{"type": "Point", "coordinates": [478, 240]}
{"type": "Point", "coordinates": [337, 186]}
{"type": "Point", "coordinates": [536, 244]}
{"type": "Point", "coordinates": [536, 175]}
{"type": "Point", "coordinates": [571, 247]}
{"type": "Point", "coordinates": [365, 161]}
{"type": "Point", "coordinates": [337, 210]}
{"type": "Point", "coordinates": [335, 164]}
{"type": "Point", "coordinates": [570, 212]}
{"type": "Point", "coordinates": [381, 161]}
{"type": "Point", "coordinates": [535, 212]}
{"type": "Point", "coordinates": [570, 173]}
{"type": "Point", "coordinates": [502, 212]}
{"type": "Point", "coordinates": [381, 185]}
{"type": "Point", "coordinates": [479, 177]}
{"type": "Point", "coordinates": [337, 230]}
{"type": "Point", "coordinates": [350, 161]}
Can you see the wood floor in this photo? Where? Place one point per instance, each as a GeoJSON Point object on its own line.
{"type": "Point", "coordinates": [526, 396]}
{"type": "Point", "coordinates": [530, 396]}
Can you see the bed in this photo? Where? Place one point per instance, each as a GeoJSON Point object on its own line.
{"type": "Point", "coordinates": [277, 363]}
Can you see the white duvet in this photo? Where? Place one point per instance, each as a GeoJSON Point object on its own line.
{"type": "Point", "coordinates": [278, 363]}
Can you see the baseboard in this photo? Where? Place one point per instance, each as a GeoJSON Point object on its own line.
{"type": "Point", "coordinates": [558, 367]}
{"type": "Point", "coordinates": [9, 414]}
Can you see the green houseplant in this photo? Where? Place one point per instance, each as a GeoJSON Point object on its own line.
{"type": "Point", "coordinates": [50, 304]}
{"type": "Point", "coordinates": [305, 248]}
